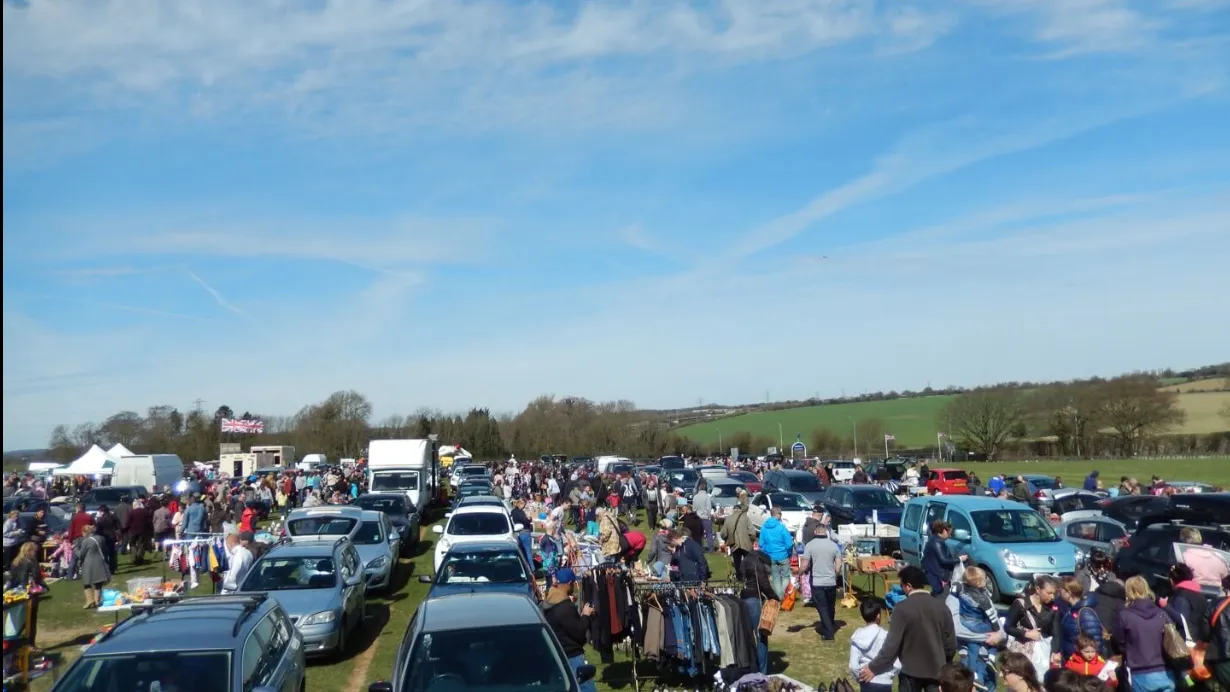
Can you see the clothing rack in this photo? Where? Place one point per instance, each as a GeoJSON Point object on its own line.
{"type": "Point", "coordinates": [197, 538]}
{"type": "Point", "coordinates": [642, 588]}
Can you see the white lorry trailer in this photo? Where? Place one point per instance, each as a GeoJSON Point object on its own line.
{"type": "Point", "coordinates": [406, 466]}
{"type": "Point", "coordinates": [155, 472]}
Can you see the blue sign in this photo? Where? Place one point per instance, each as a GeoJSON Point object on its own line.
{"type": "Point", "coordinates": [798, 447]}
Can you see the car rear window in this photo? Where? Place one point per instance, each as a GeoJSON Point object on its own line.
{"type": "Point", "coordinates": [320, 526]}
{"type": "Point", "coordinates": [954, 475]}
{"type": "Point", "coordinates": [803, 483]}
{"type": "Point", "coordinates": [478, 524]}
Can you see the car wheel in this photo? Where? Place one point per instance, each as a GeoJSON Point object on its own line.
{"type": "Point", "coordinates": [992, 585]}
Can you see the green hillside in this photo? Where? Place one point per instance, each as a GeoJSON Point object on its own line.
{"type": "Point", "coordinates": [911, 421]}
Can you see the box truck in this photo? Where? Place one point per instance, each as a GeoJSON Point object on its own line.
{"type": "Point", "coordinates": [154, 472]}
{"type": "Point", "coordinates": [406, 466]}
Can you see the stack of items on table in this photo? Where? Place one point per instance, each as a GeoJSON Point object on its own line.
{"type": "Point", "coordinates": [756, 682]}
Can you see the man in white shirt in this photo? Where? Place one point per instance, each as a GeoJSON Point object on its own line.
{"type": "Point", "coordinates": [240, 561]}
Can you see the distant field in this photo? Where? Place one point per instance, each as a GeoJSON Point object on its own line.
{"type": "Point", "coordinates": [1209, 385]}
{"type": "Point", "coordinates": [911, 421]}
{"type": "Point", "coordinates": [1215, 470]}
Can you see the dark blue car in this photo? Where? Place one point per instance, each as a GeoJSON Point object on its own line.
{"type": "Point", "coordinates": [483, 567]}
{"type": "Point", "coordinates": [854, 504]}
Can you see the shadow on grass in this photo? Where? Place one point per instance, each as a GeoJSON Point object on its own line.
{"type": "Point", "coordinates": [363, 637]}
{"type": "Point", "coordinates": [77, 641]}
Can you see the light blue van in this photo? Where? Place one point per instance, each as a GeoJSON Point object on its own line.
{"type": "Point", "coordinates": [1008, 540]}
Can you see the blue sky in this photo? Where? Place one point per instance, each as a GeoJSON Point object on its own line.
{"type": "Point", "coordinates": [447, 204]}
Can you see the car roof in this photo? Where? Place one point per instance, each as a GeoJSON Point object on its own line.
{"type": "Point", "coordinates": [947, 468]}
{"type": "Point", "coordinates": [478, 509]}
{"type": "Point", "coordinates": [326, 510]}
{"type": "Point", "coordinates": [484, 547]}
{"type": "Point", "coordinates": [208, 622]}
{"type": "Point", "coordinates": [795, 473]}
{"type": "Point", "coordinates": [1041, 476]}
{"type": "Point", "coordinates": [778, 493]}
{"type": "Point", "coordinates": [473, 500]}
{"type": "Point", "coordinates": [1092, 517]}
{"type": "Point", "coordinates": [862, 487]}
{"type": "Point", "coordinates": [382, 496]}
{"type": "Point", "coordinates": [473, 610]}
{"type": "Point", "coordinates": [307, 546]}
{"type": "Point", "coordinates": [373, 515]}
{"type": "Point", "coordinates": [725, 481]}
{"type": "Point", "coordinates": [970, 502]}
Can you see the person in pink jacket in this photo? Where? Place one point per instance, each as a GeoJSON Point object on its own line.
{"type": "Point", "coordinates": [1208, 564]}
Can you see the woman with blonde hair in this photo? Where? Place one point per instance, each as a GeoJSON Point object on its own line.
{"type": "Point", "coordinates": [1141, 628]}
{"type": "Point", "coordinates": [92, 563]}
{"type": "Point", "coordinates": [27, 574]}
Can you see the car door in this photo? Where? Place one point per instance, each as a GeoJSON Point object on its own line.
{"type": "Point", "coordinates": [386, 526]}
{"type": "Point", "coordinates": [1108, 533]}
{"type": "Point", "coordinates": [758, 510]}
{"type": "Point", "coordinates": [911, 533]}
{"type": "Point", "coordinates": [1083, 533]}
{"type": "Point", "coordinates": [278, 668]}
{"type": "Point", "coordinates": [934, 512]}
{"type": "Point", "coordinates": [352, 588]}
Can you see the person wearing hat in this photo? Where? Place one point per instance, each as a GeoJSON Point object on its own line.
{"type": "Point", "coordinates": [569, 626]}
{"type": "Point", "coordinates": [239, 561]}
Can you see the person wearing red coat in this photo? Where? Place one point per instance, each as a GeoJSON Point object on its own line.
{"type": "Point", "coordinates": [247, 522]}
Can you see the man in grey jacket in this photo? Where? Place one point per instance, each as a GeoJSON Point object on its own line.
{"type": "Point", "coordinates": [703, 507]}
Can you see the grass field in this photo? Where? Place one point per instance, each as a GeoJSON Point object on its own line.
{"type": "Point", "coordinates": [912, 421]}
{"type": "Point", "coordinates": [1210, 385]}
{"type": "Point", "coordinates": [795, 648]}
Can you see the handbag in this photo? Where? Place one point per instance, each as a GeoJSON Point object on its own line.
{"type": "Point", "coordinates": [768, 616]}
{"type": "Point", "coordinates": [1025, 647]}
{"type": "Point", "coordinates": [792, 594]}
{"type": "Point", "coordinates": [1174, 645]}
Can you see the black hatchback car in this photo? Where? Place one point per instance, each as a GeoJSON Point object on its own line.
{"type": "Point", "coordinates": [487, 640]}
{"type": "Point", "coordinates": [1151, 550]}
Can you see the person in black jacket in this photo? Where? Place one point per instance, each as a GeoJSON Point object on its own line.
{"type": "Point", "coordinates": [690, 558]}
{"type": "Point", "coordinates": [1217, 656]}
{"type": "Point", "coordinates": [755, 571]}
{"type": "Point", "coordinates": [570, 627]}
{"type": "Point", "coordinates": [938, 561]}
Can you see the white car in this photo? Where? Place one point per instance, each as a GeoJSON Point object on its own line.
{"type": "Point", "coordinates": [795, 509]}
{"type": "Point", "coordinates": [472, 524]}
{"type": "Point", "coordinates": [843, 471]}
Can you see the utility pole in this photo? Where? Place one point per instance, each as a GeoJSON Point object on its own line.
{"type": "Point", "coordinates": [198, 402]}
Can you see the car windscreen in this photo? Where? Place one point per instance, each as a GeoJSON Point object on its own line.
{"type": "Point", "coordinates": [1013, 526]}
{"type": "Point", "coordinates": [745, 476]}
{"type": "Point", "coordinates": [478, 524]}
{"type": "Point", "coordinates": [368, 534]}
{"type": "Point", "coordinates": [388, 505]}
{"type": "Point", "coordinates": [395, 480]}
{"type": "Point", "coordinates": [472, 490]}
{"type": "Point", "coordinates": [804, 483]}
{"type": "Point", "coordinates": [473, 470]}
{"type": "Point", "coordinates": [107, 495]}
{"type": "Point", "coordinates": [671, 462]}
{"type": "Point", "coordinates": [726, 490]}
{"type": "Point", "coordinates": [875, 499]}
{"type": "Point", "coordinates": [516, 657]}
{"type": "Point", "coordinates": [620, 469]}
{"type": "Point", "coordinates": [320, 526]}
{"type": "Point", "coordinates": [789, 502]}
{"type": "Point", "coordinates": [171, 670]}
{"type": "Point", "coordinates": [486, 567]}
{"type": "Point", "coordinates": [682, 478]}
{"type": "Point", "coordinates": [1042, 483]}
{"type": "Point", "coordinates": [291, 573]}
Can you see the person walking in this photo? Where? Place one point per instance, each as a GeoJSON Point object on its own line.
{"type": "Point", "coordinates": [823, 558]}
{"type": "Point", "coordinates": [107, 528]}
{"type": "Point", "coordinates": [737, 531]}
{"type": "Point", "coordinates": [140, 532]}
{"type": "Point", "coordinates": [703, 506]}
{"type": "Point", "coordinates": [123, 509]}
{"type": "Point", "coordinates": [76, 525]}
{"type": "Point", "coordinates": [778, 544]}
{"type": "Point", "coordinates": [92, 563]}
{"type": "Point", "coordinates": [569, 626]}
{"type": "Point", "coordinates": [755, 572]}
{"type": "Point", "coordinates": [920, 634]}
{"type": "Point", "coordinates": [1141, 628]}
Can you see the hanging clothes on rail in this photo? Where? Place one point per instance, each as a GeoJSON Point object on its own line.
{"type": "Point", "coordinates": [616, 617]}
{"type": "Point", "coordinates": [694, 631]}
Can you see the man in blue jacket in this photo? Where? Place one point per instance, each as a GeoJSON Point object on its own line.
{"type": "Point", "coordinates": [1091, 482]}
{"type": "Point", "coordinates": [938, 561]}
{"type": "Point", "coordinates": [777, 542]}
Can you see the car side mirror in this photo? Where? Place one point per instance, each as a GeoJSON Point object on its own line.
{"type": "Point", "coordinates": [961, 535]}
{"type": "Point", "coordinates": [586, 673]}
{"type": "Point", "coordinates": [424, 578]}
{"type": "Point", "coordinates": [380, 686]}
{"type": "Point", "coordinates": [437, 529]}
{"type": "Point", "coordinates": [394, 536]}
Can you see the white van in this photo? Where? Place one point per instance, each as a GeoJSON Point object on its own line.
{"type": "Point", "coordinates": [605, 462]}
{"type": "Point", "coordinates": [311, 461]}
{"type": "Point", "coordinates": [154, 472]}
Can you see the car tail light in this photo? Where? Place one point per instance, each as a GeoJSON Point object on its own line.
{"type": "Point", "coordinates": [1039, 495]}
{"type": "Point", "coordinates": [1104, 503]}
{"type": "Point", "coordinates": [1121, 543]}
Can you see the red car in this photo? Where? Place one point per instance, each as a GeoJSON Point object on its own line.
{"type": "Point", "coordinates": [749, 480]}
{"type": "Point", "coordinates": [947, 482]}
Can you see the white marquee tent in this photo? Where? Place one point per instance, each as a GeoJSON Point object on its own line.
{"type": "Point", "coordinates": [95, 462]}
{"type": "Point", "coordinates": [119, 451]}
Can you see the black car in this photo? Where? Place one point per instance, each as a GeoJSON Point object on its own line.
{"type": "Point", "coordinates": [682, 479]}
{"type": "Point", "coordinates": [1150, 549]}
{"type": "Point", "coordinates": [805, 483]}
{"type": "Point", "coordinates": [671, 463]}
{"type": "Point", "coordinates": [110, 495]}
{"type": "Point", "coordinates": [401, 513]}
{"type": "Point", "coordinates": [1130, 509]}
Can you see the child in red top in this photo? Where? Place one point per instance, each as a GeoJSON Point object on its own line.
{"type": "Point", "coordinates": [1087, 660]}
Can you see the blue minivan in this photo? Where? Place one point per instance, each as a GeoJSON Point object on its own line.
{"type": "Point", "coordinates": [1008, 540]}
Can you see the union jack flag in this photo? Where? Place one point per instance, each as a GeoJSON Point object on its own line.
{"type": "Point", "coordinates": [239, 425]}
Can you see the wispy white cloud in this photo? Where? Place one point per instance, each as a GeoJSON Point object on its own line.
{"type": "Point", "coordinates": [221, 299]}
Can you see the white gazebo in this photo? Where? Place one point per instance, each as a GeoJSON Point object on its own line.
{"type": "Point", "coordinates": [119, 451]}
{"type": "Point", "coordinates": [95, 462]}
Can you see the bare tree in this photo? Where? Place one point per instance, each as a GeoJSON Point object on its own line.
{"type": "Point", "coordinates": [983, 420]}
{"type": "Point", "coordinates": [1071, 412]}
{"type": "Point", "coordinates": [1136, 409]}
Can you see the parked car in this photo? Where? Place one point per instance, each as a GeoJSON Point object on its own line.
{"type": "Point", "coordinates": [795, 509]}
{"type": "Point", "coordinates": [1070, 503]}
{"type": "Point", "coordinates": [472, 525]}
{"type": "Point", "coordinates": [482, 501]}
{"type": "Point", "coordinates": [1191, 487]}
{"type": "Point", "coordinates": [670, 463]}
{"type": "Point", "coordinates": [947, 482]}
{"type": "Point", "coordinates": [110, 495]}
{"type": "Point", "coordinates": [326, 520]}
{"type": "Point", "coordinates": [378, 545]}
{"type": "Point", "coordinates": [713, 472]}
{"type": "Point", "coordinates": [401, 513]}
{"type": "Point", "coordinates": [681, 479]}
{"type": "Point", "coordinates": [856, 504]}
{"type": "Point", "coordinates": [483, 566]}
{"type": "Point", "coordinates": [1150, 550]}
{"type": "Point", "coordinates": [466, 492]}
{"type": "Point", "coordinates": [234, 642]}
{"type": "Point", "coordinates": [724, 493]}
{"type": "Point", "coordinates": [464, 472]}
{"type": "Point", "coordinates": [1130, 509]}
{"type": "Point", "coordinates": [58, 521]}
{"type": "Point", "coordinates": [481, 641]}
{"type": "Point", "coordinates": [1009, 541]}
{"type": "Point", "coordinates": [319, 582]}
{"type": "Point", "coordinates": [748, 479]}
{"type": "Point", "coordinates": [841, 471]}
{"type": "Point", "coordinates": [650, 469]}
{"type": "Point", "coordinates": [1041, 490]}
{"type": "Point", "coordinates": [1093, 532]}
{"type": "Point", "coordinates": [804, 483]}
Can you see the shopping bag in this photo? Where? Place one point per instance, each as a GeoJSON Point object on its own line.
{"type": "Point", "coordinates": [768, 616]}
{"type": "Point", "coordinates": [792, 594]}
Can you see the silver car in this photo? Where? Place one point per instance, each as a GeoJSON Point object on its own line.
{"type": "Point", "coordinates": [326, 520]}
{"type": "Point", "coordinates": [1093, 533]}
{"type": "Point", "coordinates": [378, 545]}
{"type": "Point", "coordinates": [320, 584]}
